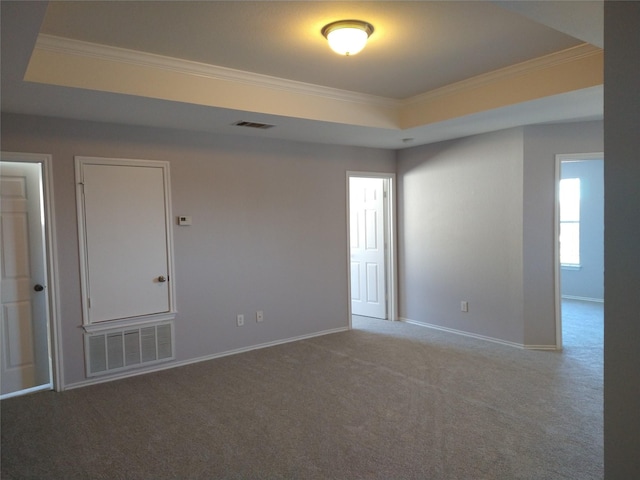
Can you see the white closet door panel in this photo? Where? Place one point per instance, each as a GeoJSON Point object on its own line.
{"type": "Point", "coordinates": [126, 241]}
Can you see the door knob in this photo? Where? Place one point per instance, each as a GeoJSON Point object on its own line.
{"type": "Point", "coordinates": [162, 278]}
{"type": "Point", "coordinates": [38, 288]}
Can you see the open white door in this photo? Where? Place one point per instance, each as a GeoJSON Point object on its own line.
{"type": "Point", "coordinates": [25, 347]}
{"type": "Point", "coordinates": [367, 235]}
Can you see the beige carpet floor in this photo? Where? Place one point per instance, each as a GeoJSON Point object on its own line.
{"type": "Point", "coordinates": [383, 401]}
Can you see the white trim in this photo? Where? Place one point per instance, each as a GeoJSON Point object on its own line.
{"type": "Point", "coordinates": [54, 310]}
{"type": "Point", "coordinates": [391, 274]}
{"type": "Point", "coordinates": [580, 157]}
{"type": "Point", "coordinates": [546, 61]}
{"type": "Point", "coordinates": [557, 266]}
{"type": "Point", "coordinates": [69, 46]}
{"type": "Point", "coordinates": [557, 279]}
{"type": "Point", "coordinates": [477, 336]}
{"type": "Point", "coordinates": [182, 363]}
{"type": "Point", "coordinates": [80, 162]}
{"type": "Point", "coordinates": [583, 299]}
{"type": "Point", "coordinates": [569, 267]}
{"type": "Point", "coordinates": [118, 324]}
{"type": "Point", "coordinates": [19, 393]}
{"type": "Point", "coordinates": [55, 339]}
{"type": "Point", "coordinates": [552, 348]}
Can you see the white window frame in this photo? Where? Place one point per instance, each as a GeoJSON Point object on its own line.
{"type": "Point", "coordinates": [574, 221]}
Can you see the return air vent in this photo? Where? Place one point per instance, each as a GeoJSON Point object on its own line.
{"type": "Point", "coordinates": [262, 126]}
{"type": "Point", "coordinates": [128, 348]}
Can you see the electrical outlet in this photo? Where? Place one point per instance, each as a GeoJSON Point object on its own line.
{"type": "Point", "coordinates": [240, 320]}
{"type": "Point", "coordinates": [464, 306]}
{"type": "Point", "coordinates": [259, 316]}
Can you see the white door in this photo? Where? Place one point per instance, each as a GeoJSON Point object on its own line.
{"type": "Point", "coordinates": [126, 241]}
{"type": "Point", "coordinates": [24, 315]}
{"type": "Point", "coordinates": [368, 276]}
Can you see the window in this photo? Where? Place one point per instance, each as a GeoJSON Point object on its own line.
{"type": "Point", "coordinates": [570, 222]}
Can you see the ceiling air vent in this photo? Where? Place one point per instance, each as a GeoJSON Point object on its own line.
{"type": "Point", "coordinates": [262, 126]}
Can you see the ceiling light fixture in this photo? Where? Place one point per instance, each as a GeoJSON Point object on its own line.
{"type": "Point", "coordinates": [347, 37]}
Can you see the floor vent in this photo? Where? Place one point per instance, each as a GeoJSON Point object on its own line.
{"type": "Point", "coordinates": [128, 348]}
{"type": "Point", "coordinates": [263, 126]}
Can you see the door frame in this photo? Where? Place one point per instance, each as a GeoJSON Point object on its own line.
{"type": "Point", "coordinates": [51, 266]}
{"type": "Point", "coordinates": [562, 157]}
{"type": "Point", "coordinates": [88, 325]}
{"type": "Point", "coordinates": [389, 238]}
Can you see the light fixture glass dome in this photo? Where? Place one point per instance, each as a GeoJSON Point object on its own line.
{"type": "Point", "coordinates": [347, 37]}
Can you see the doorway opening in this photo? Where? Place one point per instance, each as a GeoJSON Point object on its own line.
{"type": "Point", "coordinates": [28, 332]}
{"type": "Point", "coordinates": [579, 250]}
{"type": "Point", "coordinates": [371, 222]}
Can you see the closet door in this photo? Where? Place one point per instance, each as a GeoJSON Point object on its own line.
{"type": "Point", "coordinates": [126, 238]}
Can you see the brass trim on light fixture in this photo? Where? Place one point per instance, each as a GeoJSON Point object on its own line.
{"type": "Point", "coordinates": [365, 26]}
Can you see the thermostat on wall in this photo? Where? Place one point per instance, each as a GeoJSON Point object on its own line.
{"type": "Point", "coordinates": [184, 220]}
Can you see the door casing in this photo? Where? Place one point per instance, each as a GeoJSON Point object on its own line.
{"type": "Point", "coordinates": [390, 240]}
{"type": "Point", "coordinates": [136, 212]}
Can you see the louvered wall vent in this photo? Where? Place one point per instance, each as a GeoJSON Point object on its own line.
{"type": "Point", "coordinates": [263, 126]}
{"type": "Point", "coordinates": [128, 348]}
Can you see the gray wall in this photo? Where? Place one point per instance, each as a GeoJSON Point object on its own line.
{"type": "Point", "coordinates": [269, 228]}
{"type": "Point", "coordinates": [541, 145]}
{"type": "Point", "coordinates": [588, 281]}
{"type": "Point", "coordinates": [622, 231]}
{"type": "Point", "coordinates": [460, 234]}
{"type": "Point", "coordinates": [474, 217]}
{"type": "Point", "coordinates": [476, 224]}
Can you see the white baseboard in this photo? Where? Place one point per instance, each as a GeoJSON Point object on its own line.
{"type": "Point", "coordinates": [541, 347]}
{"type": "Point", "coordinates": [583, 299]}
{"type": "Point", "coordinates": [169, 365]}
{"type": "Point", "coordinates": [39, 388]}
{"type": "Point", "coordinates": [478, 336]}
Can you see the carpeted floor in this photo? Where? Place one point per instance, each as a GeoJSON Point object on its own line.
{"type": "Point", "coordinates": [383, 401]}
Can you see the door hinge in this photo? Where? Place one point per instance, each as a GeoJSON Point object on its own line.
{"type": "Point", "coordinates": [88, 302]}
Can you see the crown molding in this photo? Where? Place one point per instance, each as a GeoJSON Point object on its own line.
{"type": "Point", "coordinates": [69, 46]}
{"type": "Point", "coordinates": [79, 48]}
{"type": "Point", "coordinates": [547, 61]}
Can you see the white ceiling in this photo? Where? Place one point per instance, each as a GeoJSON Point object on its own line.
{"type": "Point", "coordinates": [273, 63]}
